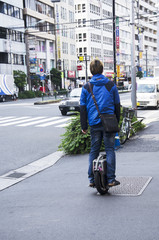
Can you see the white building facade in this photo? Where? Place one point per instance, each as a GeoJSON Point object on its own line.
{"type": "Point", "coordinates": [12, 44]}
{"type": "Point", "coordinates": [40, 34]}
{"type": "Point", "coordinates": [65, 40]}
{"type": "Point", "coordinates": [94, 35]}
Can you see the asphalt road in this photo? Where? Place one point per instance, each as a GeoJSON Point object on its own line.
{"type": "Point", "coordinates": [20, 145]}
{"type": "Point", "coordinates": [25, 135]}
{"type": "Point", "coordinates": [57, 203]}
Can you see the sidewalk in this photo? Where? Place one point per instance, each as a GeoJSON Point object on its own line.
{"type": "Point", "coordinates": [57, 203]}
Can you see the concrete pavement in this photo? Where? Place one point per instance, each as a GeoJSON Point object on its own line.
{"type": "Point", "coordinates": [57, 203]}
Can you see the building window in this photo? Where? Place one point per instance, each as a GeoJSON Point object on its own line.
{"type": "Point", "coordinates": [63, 13]}
{"type": "Point", "coordinates": [3, 57]}
{"type": "Point", "coordinates": [83, 7]}
{"type": "Point", "coordinates": [94, 9]}
{"type": "Point", "coordinates": [11, 10]}
{"type": "Point", "coordinates": [72, 49]}
{"type": "Point", "coordinates": [84, 37]}
{"type": "Point", "coordinates": [95, 38]}
{"type": "Point", "coordinates": [64, 47]}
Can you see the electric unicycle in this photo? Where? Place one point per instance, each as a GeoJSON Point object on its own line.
{"type": "Point", "coordinates": [100, 174]}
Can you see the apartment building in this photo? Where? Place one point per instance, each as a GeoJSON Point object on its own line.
{"type": "Point", "coordinates": [12, 44]}
{"type": "Point", "coordinates": [40, 37]}
{"type": "Point", "coordinates": [147, 60]}
{"type": "Point", "coordinates": [94, 35]}
{"type": "Point", "coordinates": [66, 44]}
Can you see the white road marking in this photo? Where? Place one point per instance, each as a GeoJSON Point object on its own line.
{"type": "Point", "coordinates": [39, 121]}
{"type": "Point", "coordinates": [6, 119]}
{"type": "Point", "coordinates": [52, 123]}
{"type": "Point", "coordinates": [11, 121]}
{"type": "Point", "coordinates": [21, 121]}
{"type": "Point", "coordinates": [62, 125]}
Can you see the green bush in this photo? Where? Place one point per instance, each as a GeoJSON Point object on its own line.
{"type": "Point", "coordinates": [26, 94]}
{"type": "Point", "coordinates": [38, 93]}
{"type": "Point", "coordinates": [75, 142]}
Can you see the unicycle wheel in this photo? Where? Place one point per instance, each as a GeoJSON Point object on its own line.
{"type": "Point", "coordinates": [98, 184]}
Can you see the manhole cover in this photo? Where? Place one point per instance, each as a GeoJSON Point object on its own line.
{"type": "Point", "coordinates": [15, 175]}
{"type": "Point", "coordinates": [130, 186]}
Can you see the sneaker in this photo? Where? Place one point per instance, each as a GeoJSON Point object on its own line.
{"type": "Point", "coordinates": [92, 185]}
{"type": "Point", "coordinates": [114, 183]}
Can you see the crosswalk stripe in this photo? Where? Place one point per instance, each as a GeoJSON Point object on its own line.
{"type": "Point", "coordinates": [5, 119]}
{"type": "Point", "coordinates": [39, 121]}
{"type": "Point", "coordinates": [11, 121]}
{"type": "Point", "coordinates": [21, 121]}
{"type": "Point", "coordinates": [53, 123]}
{"type": "Point", "coordinates": [62, 125]}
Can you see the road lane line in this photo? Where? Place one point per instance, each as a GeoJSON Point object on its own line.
{"type": "Point", "coordinates": [21, 121]}
{"type": "Point", "coordinates": [7, 119]}
{"type": "Point", "coordinates": [15, 120]}
{"type": "Point", "coordinates": [53, 123]}
{"type": "Point", "coordinates": [36, 122]}
{"type": "Point", "coordinates": [62, 125]}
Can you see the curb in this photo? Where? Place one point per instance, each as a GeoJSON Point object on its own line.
{"type": "Point", "coordinates": [47, 102]}
{"type": "Point", "coordinates": [22, 173]}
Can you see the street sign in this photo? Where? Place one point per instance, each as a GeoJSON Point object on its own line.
{"type": "Point", "coordinates": [79, 68]}
{"type": "Point", "coordinates": [42, 78]}
{"type": "Point", "coordinates": [81, 58]}
{"type": "Point", "coordinates": [41, 70]}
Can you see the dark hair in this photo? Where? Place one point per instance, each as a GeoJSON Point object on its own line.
{"type": "Point", "coordinates": [96, 67]}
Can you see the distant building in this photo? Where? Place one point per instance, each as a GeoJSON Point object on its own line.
{"type": "Point", "coordinates": [94, 35]}
{"type": "Point", "coordinates": [40, 37]}
{"type": "Point", "coordinates": [12, 44]}
{"type": "Point", "coordinates": [66, 43]}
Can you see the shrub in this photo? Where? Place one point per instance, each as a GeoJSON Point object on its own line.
{"type": "Point", "coordinates": [26, 94]}
{"type": "Point", "coordinates": [75, 142]}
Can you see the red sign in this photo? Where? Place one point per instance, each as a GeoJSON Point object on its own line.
{"type": "Point", "coordinates": [79, 68]}
{"type": "Point", "coordinates": [109, 74]}
{"type": "Point", "coordinates": [117, 42]}
{"type": "Point", "coordinates": [71, 74]}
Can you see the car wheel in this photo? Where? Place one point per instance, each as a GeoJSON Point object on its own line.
{"type": "Point", "coordinates": [157, 106]}
{"type": "Point", "coordinates": [63, 112]}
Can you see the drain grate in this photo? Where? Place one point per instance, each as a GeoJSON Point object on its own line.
{"type": "Point", "coordinates": [130, 186]}
{"type": "Point", "coordinates": [15, 175]}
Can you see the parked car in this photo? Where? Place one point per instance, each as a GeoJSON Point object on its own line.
{"type": "Point", "coordinates": [72, 103]}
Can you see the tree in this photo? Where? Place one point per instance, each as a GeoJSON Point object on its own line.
{"type": "Point", "coordinates": [20, 79]}
{"type": "Point", "coordinates": [139, 74]}
{"type": "Point", "coordinates": [56, 77]}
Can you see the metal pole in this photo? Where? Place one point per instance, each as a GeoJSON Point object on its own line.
{"type": "Point", "coordinates": [133, 67]}
{"type": "Point", "coordinates": [63, 73]}
{"type": "Point", "coordinates": [86, 68]}
{"type": "Point", "coordinates": [114, 40]}
{"type": "Point", "coordinates": [27, 59]}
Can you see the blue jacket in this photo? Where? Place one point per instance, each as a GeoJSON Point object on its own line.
{"type": "Point", "coordinates": [107, 97]}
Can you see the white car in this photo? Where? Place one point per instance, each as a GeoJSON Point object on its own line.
{"type": "Point", "coordinates": [72, 103]}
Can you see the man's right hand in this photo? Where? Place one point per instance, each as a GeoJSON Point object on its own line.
{"type": "Point", "coordinates": [84, 131]}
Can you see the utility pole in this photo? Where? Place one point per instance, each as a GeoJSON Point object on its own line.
{"type": "Point", "coordinates": [27, 58]}
{"type": "Point", "coordinates": [114, 39]}
{"type": "Point", "coordinates": [146, 63]}
{"type": "Point", "coordinates": [133, 66]}
{"type": "Point", "coordinates": [64, 72]}
{"type": "Point", "coordinates": [86, 68]}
